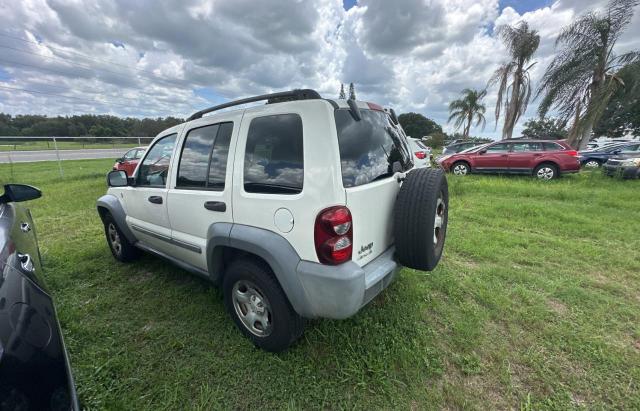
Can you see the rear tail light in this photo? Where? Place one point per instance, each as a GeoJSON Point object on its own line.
{"type": "Point", "coordinates": [421, 155]}
{"type": "Point", "coordinates": [572, 153]}
{"type": "Point", "coordinates": [333, 235]}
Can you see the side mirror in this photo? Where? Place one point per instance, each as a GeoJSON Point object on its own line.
{"type": "Point", "coordinates": [19, 192]}
{"type": "Point", "coordinates": [117, 178]}
{"type": "Point", "coordinates": [482, 152]}
{"type": "Point", "coordinates": [617, 151]}
{"type": "Point", "coordinates": [120, 160]}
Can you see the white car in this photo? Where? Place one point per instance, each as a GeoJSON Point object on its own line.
{"type": "Point", "coordinates": [303, 207]}
{"type": "Point", "coordinates": [421, 153]}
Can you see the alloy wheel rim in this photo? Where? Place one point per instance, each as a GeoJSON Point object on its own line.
{"type": "Point", "coordinates": [114, 239]}
{"type": "Point", "coordinates": [460, 170]}
{"type": "Point", "coordinates": [592, 164]}
{"type": "Point", "coordinates": [545, 173]}
{"type": "Point", "coordinates": [252, 308]}
{"type": "Point", "coordinates": [439, 220]}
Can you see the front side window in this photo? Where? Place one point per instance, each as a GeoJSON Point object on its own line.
{"type": "Point", "coordinates": [203, 162]}
{"type": "Point", "coordinates": [498, 148]}
{"type": "Point", "coordinates": [631, 149]}
{"type": "Point", "coordinates": [130, 155]}
{"type": "Point", "coordinates": [369, 147]}
{"type": "Point", "coordinates": [155, 166]}
{"type": "Point", "coordinates": [273, 161]}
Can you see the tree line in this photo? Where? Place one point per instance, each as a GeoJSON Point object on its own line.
{"type": "Point", "coordinates": [83, 125]}
{"type": "Point", "coordinates": [584, 83]}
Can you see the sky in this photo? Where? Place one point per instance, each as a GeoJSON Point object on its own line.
{"type": "Point", "coordinates": [150, 58]}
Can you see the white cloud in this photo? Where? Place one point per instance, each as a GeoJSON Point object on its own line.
{"type": "Point", "coordinates": [153, 58]}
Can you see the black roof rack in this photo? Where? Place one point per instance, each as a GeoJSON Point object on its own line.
{"type": "Point", "coordinates": [292, 95]}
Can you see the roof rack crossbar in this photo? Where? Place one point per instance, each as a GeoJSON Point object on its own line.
{"type": "Point", "coordinates": [297, 94]}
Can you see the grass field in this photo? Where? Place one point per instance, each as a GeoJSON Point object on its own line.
{"type": "Point", "coordinates": [536, 304]}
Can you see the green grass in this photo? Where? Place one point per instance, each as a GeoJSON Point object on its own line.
{"type": "Point", "coordinates": [535, 305]}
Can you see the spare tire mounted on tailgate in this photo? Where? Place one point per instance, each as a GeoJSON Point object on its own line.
{"type": "Point", "coordinates": [420, 218]}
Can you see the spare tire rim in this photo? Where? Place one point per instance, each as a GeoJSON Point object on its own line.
{"type": "Point", "coordinates": [439, 221]}
{"type": "Point", "coordinates": [252, 307]}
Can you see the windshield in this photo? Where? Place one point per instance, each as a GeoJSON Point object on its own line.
{"type": "Point", "coordinates": [370, 147]}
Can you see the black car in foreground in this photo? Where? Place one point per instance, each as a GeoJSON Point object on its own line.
{"type": "Point", "coordinates": [626, 166]}
{"type": "Point", "coordinates": [34, 368]}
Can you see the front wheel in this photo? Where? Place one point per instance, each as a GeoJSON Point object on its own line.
{"type": "Point", "coordinates": [259, 307]}
{"type": "Point", "coordinates": [546, 172]}
{"type": "Point", "coordinates": [461, 169]}
{"type": "Point", "coordinates": [120, 247]}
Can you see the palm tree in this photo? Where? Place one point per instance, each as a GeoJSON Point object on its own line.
{"type": "Point", "coordinates": [464, 110]}
{"type": "Point", "coordinates": [582, 77]}
{"type": "Point", "coordinates": [513, 77]}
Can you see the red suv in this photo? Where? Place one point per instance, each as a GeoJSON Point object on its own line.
{"type": "Point", "coordinates": [129, 161]}
{"type": "Point", "coordinates": [543, 159]}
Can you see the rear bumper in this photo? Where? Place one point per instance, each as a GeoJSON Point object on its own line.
{"type": "Point", "coordinates": [341, 291]}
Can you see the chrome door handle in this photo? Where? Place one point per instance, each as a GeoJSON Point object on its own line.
{"type": "Point", "coordinates": [25, 227]}
{"type": "Point", "coordinates": [25, 262]}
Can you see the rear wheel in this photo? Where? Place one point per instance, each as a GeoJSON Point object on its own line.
{"type": "Point", "coordinates": [420, 219]}
{"type": "Point", "coordinates": [460, 168]}
{"type": "Point", "coordinates": [592, 164]}
{"type": "Point", "coordinates": [546, 172]}
{"type": "Point", "coordinates": [259, 307]}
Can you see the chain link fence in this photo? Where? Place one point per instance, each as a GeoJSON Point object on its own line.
{"type": "Point", "coordinates": [21, 149]}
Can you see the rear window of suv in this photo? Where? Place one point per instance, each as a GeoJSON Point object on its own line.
{"type": "Point", "coordinates": [369, 147]}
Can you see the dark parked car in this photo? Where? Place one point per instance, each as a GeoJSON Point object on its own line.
{"type": "Point", "coordinates": [129, 161]}
{"type": "Point", "coordinates": [625, 166]}
{"type": "Point", "coordinates": [457, 147]}
{"type": "Point", "coordinates": [34, 368]}
{"type": "Point", "coordinates": [595, 158]}
{"type": "Point", "coordinates": [543, 159]}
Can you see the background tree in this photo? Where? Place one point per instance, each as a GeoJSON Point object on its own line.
{"type": "Point", "coordinates": [83, 125]}
{"type": "Point", "coordinates": [352, 92]}
{"type": "Point", "coordinates": [622, 115]}
{"type": "Point", "coordinates": [545, 128]}
{"type": "Point", "coordinates": [342, 95]}
{"type": "Point", "coordinates": [467, 109]}
{"type": "Point", "coordinates": [513, 77]}
{"type": "Point", "coordinates": [417, 126]}
{"type": "Point", "coordinates": [583, 76]}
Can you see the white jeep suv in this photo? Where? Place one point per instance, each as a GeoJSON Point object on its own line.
{"type": "Point", "coordinates": [303, 207]}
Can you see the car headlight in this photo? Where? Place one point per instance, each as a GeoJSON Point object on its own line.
{"type": "Point", "coordinates": [631, 162]}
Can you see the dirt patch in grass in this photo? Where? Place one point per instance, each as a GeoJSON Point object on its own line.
{"type": "Point", "coordinates": [557, 306]}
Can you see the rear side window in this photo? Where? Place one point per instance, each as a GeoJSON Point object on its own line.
{"type": "Point", "coordinates": [204, 157]}
{"type": "Point", "coordinates": [552, 146]}
{"type": "Point", "coordinates": [524, 147]}
{"type": "Point", "coordinates": [274, 160]}
{"type": "Point", "coordinates": [369, 147]}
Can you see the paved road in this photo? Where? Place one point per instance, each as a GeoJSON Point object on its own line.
{"type": "Point", "coordinates": [50, 155]}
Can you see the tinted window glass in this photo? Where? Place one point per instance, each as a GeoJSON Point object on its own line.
{"type": "Point", "coordinates": [154, 168]}
{"type": "Point", "coordinates": [369, 147]}
{"type": "Point", "coordinates": [218, 168]}
{"type": "Point", "coordinates": [273, 161]}
{"type": "Point", "coordinates": [194, 162]}
{"type": "Point", "coordinates": [631, 148]}
{"type": "Point", "coordinates": [130, 155]}
{"type": "Point", "coordinates": [552, 146]}
{"type": "Point", "coordinates": [200, 167]}
{"type": "Point", "coordinates": [498, 148]}
{"type": "Point", "coordinates": [524, 147]}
